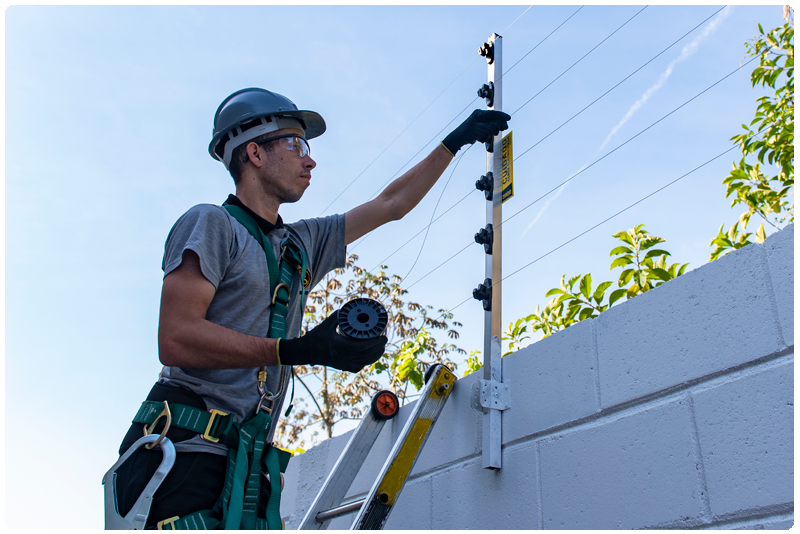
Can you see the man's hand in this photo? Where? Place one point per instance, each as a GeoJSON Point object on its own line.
{"type": "Point", "coordinates": [322, 345]}
{"type": "Point", "coordinates": [481, 126]}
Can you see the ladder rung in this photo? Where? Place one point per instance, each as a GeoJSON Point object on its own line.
{"type": "Point", "coordinates": [343, 509]}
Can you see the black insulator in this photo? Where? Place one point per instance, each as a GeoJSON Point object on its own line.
{"type": "Point", "coordinates": [484, 294]}
{"type": "Point", "coordinates": [487, 50]}
{"type": "Point", "coordinates": [362, 319]}
{"type": "Point", "coordinates": [486, 237]}
{"type": "Point", "coordinates": [487, 91]}
{"type": "Point", "coordinates": [486, 184]}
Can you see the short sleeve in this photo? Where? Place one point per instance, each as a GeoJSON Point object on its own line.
{"type": "Point", "coordinates": [324, 240]}
{"type": "Point", "coordinates": [205, 229]}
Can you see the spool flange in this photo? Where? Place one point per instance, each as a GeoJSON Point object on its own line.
{"type": "Point", "coordinates": [362, 319]}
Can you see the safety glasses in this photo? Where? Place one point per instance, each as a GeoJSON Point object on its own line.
{"type": "Point", "coordinates": [290, 142]}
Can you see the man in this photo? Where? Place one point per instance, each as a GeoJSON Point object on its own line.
{"type": "Point", "coordinates": [228, 330]}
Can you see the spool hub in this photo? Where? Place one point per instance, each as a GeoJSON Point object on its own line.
{"type": "Point", "coordinates": [362, 319]}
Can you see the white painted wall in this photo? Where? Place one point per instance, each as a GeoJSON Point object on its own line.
{"type": "Point", "coordinates": [672, 410]}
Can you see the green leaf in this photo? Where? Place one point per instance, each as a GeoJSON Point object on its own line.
{"type": "Point", "coordinates": [599, 292]}
{"type": "Point", "coordinates": [585, 314]}
{"type": "Point", "coordinates": [661, 274]}
{"type": "Point", "coordinates": [656, 252]}
{"type": "Point", "coordinates": [621, 262]}
{"type": "Point", "coordinates": [625, 277]}
{"type": "Point", "coordinates": [621, 250]}
{"type": "Point", "coordinates": [624, 236]}
{"type": "Point", "coordinates": [586, 285]}
{"type": "Point", "coordinates": [616, 295]}
{"type": "Point", "coordinates": [760, 234]}
{"type": "Point", "coordinates": [573, 280]}
{"type": "Point", "coordinates": [554, 291]}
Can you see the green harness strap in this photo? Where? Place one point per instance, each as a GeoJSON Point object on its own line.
{"type": "Point", "coordinates": [248, 450]}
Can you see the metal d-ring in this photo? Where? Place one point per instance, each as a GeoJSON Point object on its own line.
{"type": "Point", "coordinates": [147, 431]}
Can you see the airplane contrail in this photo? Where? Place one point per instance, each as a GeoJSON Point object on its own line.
{"type": "Point", "coordinates": [685, 54]}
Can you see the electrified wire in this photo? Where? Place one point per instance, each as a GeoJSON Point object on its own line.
{"type": "Point", "coordinates": [626, 78]}
{"type": "Point", "coordinates": [434, 210]}
{"type": "Point", "coordinates": [423, 229]}
{"type": "Point", "coordinates": [417, 117]}
{"type": "Point", "coordinates": [593, 102]}
{"type": "Point", "coordinates": [409, 161]}
{"type": "Point", "coordinates": [516, 19]}
{"type": "Point", "coordinates": [391, 294]}
{"type": "Point", "coordinates": [401, 133]}
{"type": "Point", "coordinates": [540, 42]}
{"type": "Point", "coordinates": [462, 111]}
{"type": "Point", "coordinates": [506, 72]}
{"type": "Point", "coordinates": [594, 162]}
{"type": "Point", "coordinates": [602, 222]}
{"type": "Point", "coordinates": [581, 59]}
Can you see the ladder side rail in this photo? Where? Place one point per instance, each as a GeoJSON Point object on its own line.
{"type": "Point", "coordinates": [380, 501]}
{"type": "Point", "coordinates": [344, 472]}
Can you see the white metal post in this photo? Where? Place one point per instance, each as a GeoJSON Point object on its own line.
{"type": "Point", "coordinates": [492, 363]}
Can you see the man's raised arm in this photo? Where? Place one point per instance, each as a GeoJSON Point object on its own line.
{"type": "Point", "coordinates": [403, 194]}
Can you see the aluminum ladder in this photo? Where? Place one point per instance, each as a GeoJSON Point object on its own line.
{"type": "Point", "coordinates": [374, 509]}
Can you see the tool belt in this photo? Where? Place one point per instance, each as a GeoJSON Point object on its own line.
{"type": "Point", "coordinates": [248, 453]}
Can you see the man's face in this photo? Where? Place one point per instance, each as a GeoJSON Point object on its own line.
{"type": "Point", "coordinates": [286, 175]}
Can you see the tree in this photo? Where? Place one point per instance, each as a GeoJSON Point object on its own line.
{"type": "Point", "coordinates": [767, 140]}
{"type": "Point", "coordinates": [644, 269]}
{"type": "Point", "coordinates": [411, 349]}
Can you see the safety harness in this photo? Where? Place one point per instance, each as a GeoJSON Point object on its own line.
{"type": "Point", "coordinates": [248, 450]}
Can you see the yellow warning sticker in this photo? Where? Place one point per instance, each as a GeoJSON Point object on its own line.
{"type": "Point", "coordinates": [507, 172]}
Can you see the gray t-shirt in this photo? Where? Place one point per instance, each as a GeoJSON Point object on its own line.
{"type": "Point", "coordinates": [232, 260]}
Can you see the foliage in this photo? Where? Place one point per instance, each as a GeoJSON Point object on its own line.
{"type": "Point", "coordinates": [473, 363]}
{"type": "Point", "coordinates": [767, 140]}
{"type": "Point", "coordinates": [411, 349]}
{"type": "Point", "coordinates": [644, 269]}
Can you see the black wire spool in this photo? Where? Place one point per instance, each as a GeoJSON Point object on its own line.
{"type": "Point", "coordinates": [362, 319]}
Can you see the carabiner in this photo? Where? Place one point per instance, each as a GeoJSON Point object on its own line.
{"type": "Point", "coordinates": [147, 431]}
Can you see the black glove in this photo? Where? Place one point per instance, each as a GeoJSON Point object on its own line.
{"type": "Point", "coordinates": [481, 126]}
{"type": "Point", "coordinates": [322, 345]}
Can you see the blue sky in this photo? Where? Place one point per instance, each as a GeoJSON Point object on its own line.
{"type": "Point", "coordinates": [108, 117]}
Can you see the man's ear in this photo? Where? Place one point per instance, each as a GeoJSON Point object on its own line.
{"type": "Point", "coordinates": [254, 155]}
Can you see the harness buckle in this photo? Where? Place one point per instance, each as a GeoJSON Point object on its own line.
{"type": "Point", "coordinates": [170, 522]}
{"type": "Point", "coordinates": [207, 434]}
{"type": "Point", "coordinates": [275, 293]}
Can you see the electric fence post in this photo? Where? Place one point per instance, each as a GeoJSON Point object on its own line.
{"type": "Point", "coordinates": [490, 396]}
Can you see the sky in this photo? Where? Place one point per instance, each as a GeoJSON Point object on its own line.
{"type": "Point", "coordinates": [109, 114]}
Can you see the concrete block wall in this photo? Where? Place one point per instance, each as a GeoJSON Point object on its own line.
{"type": "Point", "coordinates": [672, 410]}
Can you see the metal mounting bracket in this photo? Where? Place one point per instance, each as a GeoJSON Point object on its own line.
{"type": "Point", "coordinates": [490, 395]}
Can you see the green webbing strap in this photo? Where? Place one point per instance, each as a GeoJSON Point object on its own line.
{"type": "Point", "coordinates": [292, 257]}
{"type": "Point", "coordinates": [252, 226]}
{"type": "Point", "coordinates": [204, 520]}
{"type": "Point", "coordinates": [188, 418]}
{"type": "Point", "coordinates": [252, 431]}
{"type": "Point", "coordinates": [273, 511]}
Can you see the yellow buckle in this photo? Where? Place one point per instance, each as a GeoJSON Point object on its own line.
{"type": "Point", "coordinates": [170, 522]}
{"type": "Point", "coordinates": [275, 293]}
{"type": "Point", "coordinates": [206, 436]}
